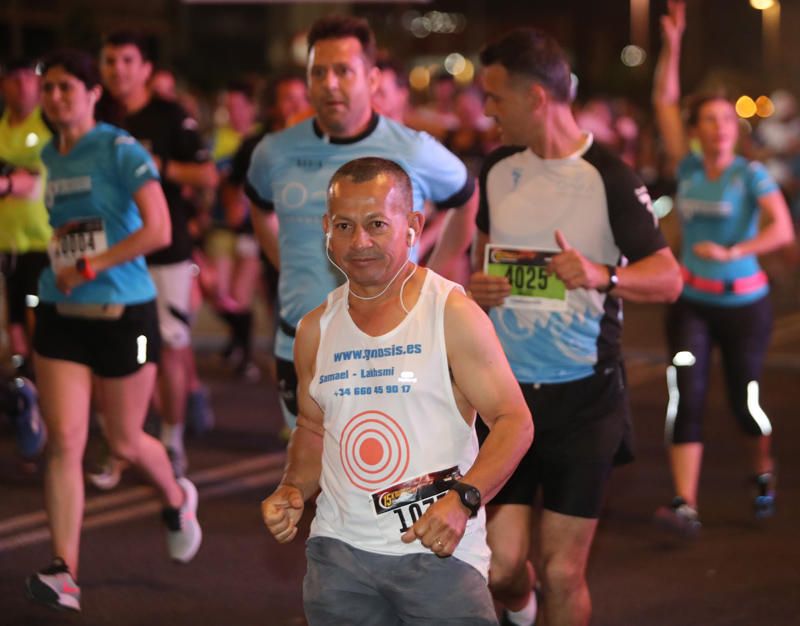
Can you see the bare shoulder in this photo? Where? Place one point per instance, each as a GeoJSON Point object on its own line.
{"type": "Point", "coordinates": [308, 333]}
{"type": "Point", "coordinates": [464, 319]}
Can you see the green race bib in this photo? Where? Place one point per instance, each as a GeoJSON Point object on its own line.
{"type": "Point", "coordinates": [526, 272]}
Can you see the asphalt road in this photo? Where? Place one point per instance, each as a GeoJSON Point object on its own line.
{"type": "Point", "coordinates": [738, 573]}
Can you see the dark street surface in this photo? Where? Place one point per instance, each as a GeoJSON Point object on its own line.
{"type": "Point", "coordinates": [738, 573]}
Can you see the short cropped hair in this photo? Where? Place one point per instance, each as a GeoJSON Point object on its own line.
{"type": "Point", "coordinates": [342, 26]}
{"type": "Point", "coordinates": [698, 101]}
{"type": "Point", "coordinates": [242, 86]}
{"type": "Point", "coordinates": [78, 63]}
{"type": "Point", "coordinates": [129, 38]}
{"type": "Point", "coordinates": [369, 168]}
{"type": "Point", "coordinates": [400, 76]}
{"type": "Point", "coordinates": [532, 53]}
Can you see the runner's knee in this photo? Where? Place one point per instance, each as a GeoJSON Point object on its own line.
{"type": "Point", "coordinates": [562, 575]}
{"type": "Point", "coordinates": [507, 567]}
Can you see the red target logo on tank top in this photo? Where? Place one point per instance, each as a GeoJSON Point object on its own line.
{"type": "Point", "coordinates": [374, 450]}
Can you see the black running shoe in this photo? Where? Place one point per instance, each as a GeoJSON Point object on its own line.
{"type": "Point", "coordinates": [679, 518]}
{"type": "Point", "coordinates": [55, 587]}
{"type": "Point", "coordinates": [764, 502]}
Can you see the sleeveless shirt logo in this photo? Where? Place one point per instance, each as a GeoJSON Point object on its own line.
{"type": "Point", "coordinates": [374, 450]}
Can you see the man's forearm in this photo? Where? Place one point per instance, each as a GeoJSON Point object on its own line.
{"type": "Point", "coordinates": [508, 441]}
{"type": "Point", "coordinates": [197, 175]}
{"type": "Point", "coordinates": [656, 278]}
{"type": "Point", "coordinates": [304, 462]}
{"type": "Point", "coordinates": [456, 236]}
{"type": "Point", "coordinates": [265, 227]}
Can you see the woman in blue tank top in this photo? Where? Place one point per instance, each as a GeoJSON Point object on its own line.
{"type": "Point", "coordinates": [730, 212]}
{"type": "Point", "coordinates": [96, 319]}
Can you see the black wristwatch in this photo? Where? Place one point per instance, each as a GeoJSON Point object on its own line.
{"type": "Point", "coordinates": [613, 279]}
{"type": "Point", "coordinates": [470, 497]}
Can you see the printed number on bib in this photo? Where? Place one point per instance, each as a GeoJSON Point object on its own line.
{"type": "Point", "coordinates": [526, 271]}
{"type": "Point", "coordinates": [398, 507]}
{"type": "Point", "coordinates": [73, 240]}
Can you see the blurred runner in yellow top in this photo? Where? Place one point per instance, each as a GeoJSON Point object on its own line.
{"type": "Point", "coordinates": [24, 227]}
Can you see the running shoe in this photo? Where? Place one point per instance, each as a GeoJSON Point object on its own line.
{"type": "Point", "coordinates": [764, 502]}
{"type": "Point", "coordinates": [108, 475]}
{"type": "Point", "coordinates": [184, 534]}
{"type": "Point", "coordinates": [199, 414]}
{"type": "Point", "coordinates": [55, 587]}
{"type": "Point", "coordinates": [679, 518]}
{"type": "Point", "coordinates": [28, 423]}
{"type": "Point", "coordinates": [108, 470]}
{"type": "Point", "coordinates": [178, 461]}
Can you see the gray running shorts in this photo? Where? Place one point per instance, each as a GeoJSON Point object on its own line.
{"type": "Point", "coordinates": [345, 586]}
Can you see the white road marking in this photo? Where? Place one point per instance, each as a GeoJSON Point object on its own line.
{"type": "Point", "coordinates": [141, 501]}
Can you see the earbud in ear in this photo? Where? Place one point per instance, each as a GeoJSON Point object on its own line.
{"type": "Point", "coordinates": [412, 235]}
{"type": "Point", "coordinates": [328, 238]}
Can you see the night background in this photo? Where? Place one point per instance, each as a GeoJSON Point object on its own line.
{"type": "Point", "coordinates": [208, 41]}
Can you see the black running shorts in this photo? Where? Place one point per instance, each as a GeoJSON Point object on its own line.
{"type": "Point", "coordinates": [111, 348]}
{"type": "Point", "coordinates": [583, 429]}
{"type": "Point", "coordinates": [21, 272]}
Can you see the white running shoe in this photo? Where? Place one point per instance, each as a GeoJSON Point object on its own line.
{"type": "Point", "coordinates": [55, 587]}
{"type": "Point", "coordinates": [109, 474]}
{"type": "Point", "coordinates": [184, 534]}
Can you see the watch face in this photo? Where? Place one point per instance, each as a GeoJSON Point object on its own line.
{"type": "Point", "coordinates": [472, 496]}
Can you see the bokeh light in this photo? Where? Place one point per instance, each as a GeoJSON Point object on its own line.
{"type": "Point", "coordinates": [762, 5]}
{"type": "Point", "coordinates": [633, 56]}
{"type": "Point", "coordinates": [764, 106]}
{"type": "Point", "coordinates": [419, 78]}
{"type": "Point", "coordinates": [745, 107]}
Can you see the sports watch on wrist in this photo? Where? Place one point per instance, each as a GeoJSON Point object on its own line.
{"type": "Point", "coordinates": [613, 279]}
{"type": "Point", "coordinates": [470, 497]}
{"type": "Point", "coordinates": [84, 269]}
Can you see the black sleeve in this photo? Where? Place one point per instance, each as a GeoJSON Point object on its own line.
{"type": "Point", "coordinates": [460, 197]}
{"type": "Point", "coordinates": [188, 146]}
{"type": "Point", "coordinates": [241, 159]}
{"type": "Point", "coordinates": [492, 159]}
{"type": "Point", "coordinates": [630, 210]}
{"type": "Point", "coordinates": [257, 200]}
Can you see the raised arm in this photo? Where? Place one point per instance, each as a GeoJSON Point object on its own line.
{"type": "Point", "coordinates": [666, 84]}
{"type": "Point", "coordinates": [282, 510]}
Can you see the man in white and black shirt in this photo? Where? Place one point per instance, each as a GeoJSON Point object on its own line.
{"type": "Point", "coordinates": [569, 231]}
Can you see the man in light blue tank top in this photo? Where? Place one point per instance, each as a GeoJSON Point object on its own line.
{"type": "Point", "coordinates": [290, 171]}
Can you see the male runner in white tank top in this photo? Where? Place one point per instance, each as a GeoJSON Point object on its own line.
{"type": "Point", "coordinates": [392, 368]}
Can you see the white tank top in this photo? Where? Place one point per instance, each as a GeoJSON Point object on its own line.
{"type": "Point", "coordinates": [394, 437]}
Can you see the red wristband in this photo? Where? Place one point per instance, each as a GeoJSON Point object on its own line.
{"type": "Point", "coordinates": [84, 269]}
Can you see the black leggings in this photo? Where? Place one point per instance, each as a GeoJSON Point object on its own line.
{"type": "Point", "coordinates": [742, 334]}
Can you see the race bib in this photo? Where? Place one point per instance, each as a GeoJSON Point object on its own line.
{"type": "Point", "coordinates": [73, 240]}
{"type": "Point", "coordinates": [526, 271]}
{"type": "Point", "coordinates": [398, 507]}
